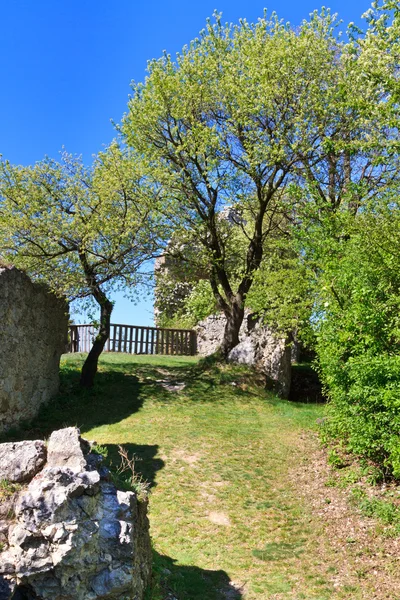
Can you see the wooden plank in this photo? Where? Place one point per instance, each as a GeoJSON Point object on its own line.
{"type": "Point", "coordinates": [125, 336]}
{"type": "Point", "coordinates": [119, 349]}
{"type": "Point", "coordinates": [130, 339]}
{"type": "Point", "coordinates": [152, 341]}
{"type": "Point", "coordinates": [141, 339]}
{"type": "Point", "coordinates": [186, 343]}
{"type": "Point", "coordinates": [193, 343]}
{"type": "Point", "coordinates": [147, 341]}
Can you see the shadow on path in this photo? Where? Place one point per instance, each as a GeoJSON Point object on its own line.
{"type": "Point", "coordinates": [183, 582]}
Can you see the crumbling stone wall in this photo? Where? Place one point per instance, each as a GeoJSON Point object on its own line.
{"type": "Point", "coordinates": [259, 347]}
{"type": "Point", "coordinates": [33, 335]}
{"type": "Point", "coordinates": [66, 531]}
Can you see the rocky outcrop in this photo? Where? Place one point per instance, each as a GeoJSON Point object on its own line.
{"type": "Point", "coordinates": [70, 534]}
{"type": "Point", "coordinates": [20, 461]}
{"type": "Point", "coordinates": [33, 336]}
{"type": "Point", "coordinates": [259, 347]}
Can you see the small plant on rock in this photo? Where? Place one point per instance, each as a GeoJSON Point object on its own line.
{"type": "Point", "coordinates": [135, 481]}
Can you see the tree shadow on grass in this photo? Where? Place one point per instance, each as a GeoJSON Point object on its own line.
{"type": "Point", "coordinates": [122, 386]}
{"type": "Point", "coordinates": [184, 582]}
{"type": "Point", "coordinates": [114, 397]}
{"type": "Point", "coordinates": [146, 463]}
{"type": "Point", "coordinates": [204, 381]}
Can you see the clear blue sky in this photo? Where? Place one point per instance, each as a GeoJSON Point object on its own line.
{"type": "Point", "coordinates": [66, 67]}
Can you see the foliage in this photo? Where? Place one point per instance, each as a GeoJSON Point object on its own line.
{"type": "Point", "coordinates": [228, 127]}
{"type": "Point", "coordinates": [196, 306]}
{"type": "Point", "coordinates": [349, 225]}
{"type": "Point", "coordinates": [8, 489]}
{"type": "Point", "coordinates": [65, 223]}
{"type": "Point", "coordinates": [84, 231]}
{"type": "Point", "coordinates": [387, 512]}
{"type": "Point", "coordinates": [282, 292]}
{"type": "Point", "coordinates": [358, 332]}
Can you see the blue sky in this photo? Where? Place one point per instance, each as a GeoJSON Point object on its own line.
{"type": "Point", "coordinates": [66, 67]}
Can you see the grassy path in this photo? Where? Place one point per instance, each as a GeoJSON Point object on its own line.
{"type": "Point", "coordinates": [219, 451]}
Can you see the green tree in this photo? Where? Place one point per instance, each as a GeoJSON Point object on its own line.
{"type": "Point", "coordinates": [346, 230]}
{"type": "Point", "coordinates": [235, 121]}
{"type": "Point", "coordinates": [83, 230]}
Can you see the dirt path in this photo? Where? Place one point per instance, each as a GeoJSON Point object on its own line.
{"type": "Point", "coordinates": [365, 562]}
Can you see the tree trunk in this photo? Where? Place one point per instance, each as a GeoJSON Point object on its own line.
{"type": "Point", "coordinates": [234, 320]}
{"type": "Point", "coordinates": [89, 368]}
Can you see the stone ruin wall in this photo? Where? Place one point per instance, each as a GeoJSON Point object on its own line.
{"type": "Point", "coordinates": [33, 335]}
{"type": "Point", "coordinates": [66, 531]}
{"type": "Point", "coordinates": [259, 347]}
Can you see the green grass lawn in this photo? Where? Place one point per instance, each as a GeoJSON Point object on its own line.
{"type": "Point", "coordinates": [225, 518]}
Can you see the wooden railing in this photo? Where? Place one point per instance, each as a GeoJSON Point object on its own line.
{"type": "Point", "coordinates": [135, 339]}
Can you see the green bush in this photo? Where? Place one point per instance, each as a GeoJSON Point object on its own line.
{"type": "Point", "coordinates": [358, 337]}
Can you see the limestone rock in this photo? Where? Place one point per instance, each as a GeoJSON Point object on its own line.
{"type": "Point", "coordinates": [6, 588]}
{"type": "Point", "coordinates": [274, 357]}
{"type": "Point", "coordinates": [65, 449]}
{"type": "Point", "coordinates": [73, 535]}
{"type": "Point", "coordinates": [20, 461]}
{"type": "Point", "coordinates": [259, 347]}
{"type": "Point", "coordinates": [244, 353]}
{"type": "Point", "coordinates": [33, 335]}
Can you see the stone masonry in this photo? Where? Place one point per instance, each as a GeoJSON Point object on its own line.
{"type": "Point", "coordinates": [33, 335]}
{"type": "Point", "coordinates": [66, 531]}
{"type": "Point", "coordinates": [259, 347]}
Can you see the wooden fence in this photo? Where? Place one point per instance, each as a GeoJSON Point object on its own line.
{"type": "Point", "coordinates": [134, 339]}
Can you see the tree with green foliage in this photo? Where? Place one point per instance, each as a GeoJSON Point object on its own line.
{"type": "Point", "coordinates": [85, 231]}
{"type": "Point", "coordinates": [357, 329]}
{"type": "Point", "coordinates": [238, 118]}
{"type": "Point", "coordinates": [351, 253]}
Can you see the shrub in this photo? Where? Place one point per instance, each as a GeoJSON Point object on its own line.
{"type": "Point", "coordinates": [358, 338]}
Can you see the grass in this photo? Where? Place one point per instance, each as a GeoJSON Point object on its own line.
{"type": "Point", "coordinates": [226, 521]}
{"type": "Point", "coordinates": [8, 489]}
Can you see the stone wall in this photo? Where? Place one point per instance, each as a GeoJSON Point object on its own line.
{"type": "Point", "coordinates": [33, 335]}
{"type": "Point", "coordinates": [259, 347]}
{"type": "Point", "coordinates": [66, 532]}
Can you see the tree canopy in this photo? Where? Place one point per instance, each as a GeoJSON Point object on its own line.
{"type": "Point", "coordinates": [83, 230]}
{"type": "Point", "coordinates": [260, 118]}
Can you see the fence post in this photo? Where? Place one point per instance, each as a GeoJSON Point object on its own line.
{"type": "Point", "coordinates": [193, 343]}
